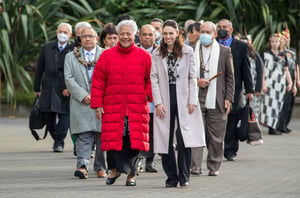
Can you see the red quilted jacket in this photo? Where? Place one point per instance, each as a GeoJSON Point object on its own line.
{"type": "Point", "coordinates": [120, 83]}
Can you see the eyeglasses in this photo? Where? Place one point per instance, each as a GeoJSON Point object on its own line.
{"type": "Point", "coordinates": [87, 36]}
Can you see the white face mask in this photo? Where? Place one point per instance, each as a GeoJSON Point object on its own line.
{"type": "Point", "coordinates": [157, 35]}
{"type": "Point", "coordinates": [62, 37]}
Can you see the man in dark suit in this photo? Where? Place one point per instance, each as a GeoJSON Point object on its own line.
{"type": "Point", "coordinates": [215, 95]}
{"type": "Point", "coordinates": [242, 73]}
{"type": "Point", "coordinates": [147, 39]}
{"type": "Point", "coordinates": [49, 84]}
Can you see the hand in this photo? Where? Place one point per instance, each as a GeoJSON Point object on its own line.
{"type": "Point", "coordinates": [161, 110]}
{"type": "Point", "coordinates": [65, 93]}
{"type": "Point", "coordinates": [257, 94]}
{"type": "Point", "coordinates": [37, 94]}
{"type": "Point", "coordinates": [265, 90]}
{"type": "Point", "coordinates": [249, 96]}
{"type": "Point", "coordinates": [192, 108]}
{"type": "Point", "coordinates": [227, 106]}
{"type": "Point", "coordinates": [202, 82]}
{"type": "Point", "coordinates": [87, 99]}
{"type": "Point", "coordinates": [294, 91]}
{"type": "Point", "coordinates": [99, 111]}
{"type": "Point", "coordinates": [289, 87]}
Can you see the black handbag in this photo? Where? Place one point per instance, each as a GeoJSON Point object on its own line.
{"type": "Point", "coordinates": [243, 122]}
{"type": "Point", "coordinates": [36, 120]}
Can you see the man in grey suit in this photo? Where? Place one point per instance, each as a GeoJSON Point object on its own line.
{"type": "Point", "coordinates": [216, 93]}
{"type": "Point", "coordinates": [79, 67]}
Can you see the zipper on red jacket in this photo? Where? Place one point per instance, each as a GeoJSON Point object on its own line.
{"type": "Point", "coordinates": [125, 85]}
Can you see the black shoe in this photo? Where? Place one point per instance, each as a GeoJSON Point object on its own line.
{"type": "Point", "coordinates": [288, 130]}
{"type": "Point", "coordinates": [230, 157]}
{"type": "Point", "coordinates": [171, 185]}
{"type": "Point", "coordinates": [130, 183]}
{"type": "Point", "coordinates": [274, 132]}
{"type": "Point", "coordinates": [110, 181]}
{"type": "Point", "coordinates": [184, 184]}
{"type": "Point", "coordinates": [151, 168]}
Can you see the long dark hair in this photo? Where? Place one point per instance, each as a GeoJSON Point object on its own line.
{"type": "Point", "coordinates": [177, 50]}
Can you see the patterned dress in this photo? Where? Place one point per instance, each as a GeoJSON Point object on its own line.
{"type": "Point", "coordinates": [275, 80]}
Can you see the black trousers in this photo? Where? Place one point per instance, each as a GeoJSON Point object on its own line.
{"type": "Point", "coordinates": [149, 155]}
{"type": "Point", "coordinates": [182, 173]}
{"type": "Point", "coordinates": [58, 129]}
{"type": "Point", "coordinates": [231, 138]}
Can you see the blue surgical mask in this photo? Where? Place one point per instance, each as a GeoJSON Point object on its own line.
{"type": "Point", "coordinates": [206, 39]}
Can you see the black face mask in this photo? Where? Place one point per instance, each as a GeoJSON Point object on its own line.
{"type": "Point", "coordinates": [78, 39]}
{"type": "Point", "coordinates": [222, 33]}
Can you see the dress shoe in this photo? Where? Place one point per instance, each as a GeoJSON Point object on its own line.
{"type": "Point", "coordinates": [184, 184]}
{"type": "Point", "coordinates": [171, 185]}
{"type": "Point", "coordinates": [110, 181]}
{"type": "Point", "coordinates": [230, 157]}
{"type": "Point", "coordinates": [288, 130]}
{"type": "Point", "coordinates": [101, 174]}
{"type": "Point", "coordinates": [131, 183]}
{"type": "Point", "coordinates": [195, 171]}
{"type": "Point", "coordinates": [151, 168]}
{"type": "Point", "coordinates": [58, 149]}
{"type": "Point", "coordinates": [82, 173]}
{"type": "Point", "coordinates": [274, 132]}
{"type": "Point", "coordinates": [213, 173]}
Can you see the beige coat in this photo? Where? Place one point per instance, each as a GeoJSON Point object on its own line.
{"type": "Point", "coordinates": [191, 125]}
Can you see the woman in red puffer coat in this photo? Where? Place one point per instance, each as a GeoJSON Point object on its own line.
{"type": "Point", "coordinates": [120, 91]}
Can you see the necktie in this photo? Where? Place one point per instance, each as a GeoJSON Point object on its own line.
{"type": "Point", "coordinates": [88, 56]}
{"type": "Point", "coordinates": [60, 48]}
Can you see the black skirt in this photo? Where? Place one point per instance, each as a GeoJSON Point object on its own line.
{"type": "Point", "coordinates": [126, 160]}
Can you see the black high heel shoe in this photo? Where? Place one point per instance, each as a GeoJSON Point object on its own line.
{"type": "Point", "coordinates": [110, 181]}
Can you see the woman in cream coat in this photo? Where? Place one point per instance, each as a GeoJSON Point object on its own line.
{"type": "Point", "coordinates": [177, 110]}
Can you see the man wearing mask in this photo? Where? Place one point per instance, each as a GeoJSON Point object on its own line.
{"type": "Point", "coordinates": [157, 23]}
{"type": "Point", "coordinates": [215, 96]}
{"type": "Point", "coordinates": [242, 73]}
{"type": "Point", "coordinates": [147, 38]}
{"type": "Point", "coordinates": [78, 28]}
{"type": "Point", "coordinates": [49, 84]}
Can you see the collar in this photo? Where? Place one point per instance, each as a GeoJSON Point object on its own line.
{"type": "Point", "coordinates": [149, 49]}
{"type": "Point", "coordinates": [125, 50]}
{"type": "Point", "coordinates": [226, 42]}
{"type": "Point", "coordinates": [63, 46]}
{"type": "Point", "coordinates": [93, 51]}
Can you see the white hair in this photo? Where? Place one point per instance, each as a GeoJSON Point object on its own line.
{"type": "Point", "coordinates": [82, 25]}
{"type": "Point", "coordinates": [130, 23]}
{"type": "Point", "coordinates": [211, 24]}
{"type": "Point", "coordinates": [65, 24]}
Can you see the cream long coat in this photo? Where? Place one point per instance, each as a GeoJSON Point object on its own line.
{"type": "Point", "coordinates": [191, 125]}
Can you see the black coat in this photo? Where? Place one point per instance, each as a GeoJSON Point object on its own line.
{"type": "Point", "coordinates": [49, 78]}
{"type": "Point", "coordinates": [242, 72]}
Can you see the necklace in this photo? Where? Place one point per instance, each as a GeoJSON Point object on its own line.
{"type": "Point", "coordinates": [83, 62]}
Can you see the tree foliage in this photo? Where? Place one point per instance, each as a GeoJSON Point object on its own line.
{"type": "Point", "coordinates": [26, 25]}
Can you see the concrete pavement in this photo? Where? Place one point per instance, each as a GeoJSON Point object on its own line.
{"type": "Point", "coordinates": [30, 169]}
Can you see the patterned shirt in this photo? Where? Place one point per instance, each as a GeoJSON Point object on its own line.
{"type": "Point", "coordinates": [172, 72]}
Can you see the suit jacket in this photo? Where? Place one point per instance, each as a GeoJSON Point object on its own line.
{"type": "Point", "coordinates": [242, 72]}
{"type": "Point", "coordinates": [49, 78]}
{"type": "Point", "coordinates": [225, 82]}
{"type": "Point", "coordinates": [82, 117]}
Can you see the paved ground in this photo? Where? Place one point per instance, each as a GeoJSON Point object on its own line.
{"type": "Point", "coordinates": [30, 169]}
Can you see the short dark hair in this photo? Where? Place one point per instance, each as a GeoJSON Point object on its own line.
{"type": "Point", "coordinates": [197, 26]}
{"type": "Point", "coordinates": [157, 20]}
{"type": "Point", "coordinates": [190, 28]}
{"type": "Point", "coordinates": [124, 17]}
{"type": "Point", "coordinates": [108, 29]}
